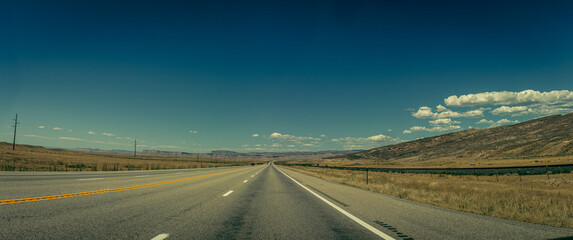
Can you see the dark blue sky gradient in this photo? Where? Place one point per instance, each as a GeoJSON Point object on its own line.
{"type": "Point", "coordinates": [229, 69]}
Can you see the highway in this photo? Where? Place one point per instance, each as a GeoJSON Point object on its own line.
{"type": "Point", "coordinates": [248, 202]}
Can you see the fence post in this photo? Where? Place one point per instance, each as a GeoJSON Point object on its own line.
{"type": "Point", "coordinates": [366, 176]}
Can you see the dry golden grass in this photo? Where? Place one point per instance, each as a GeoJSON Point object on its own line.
{"type": "Point", "coordinates": [33, 158]}
{"type": "Point", "coordinates": [441, 163]}
{"type": "Point", "coordinates": [543, 199]}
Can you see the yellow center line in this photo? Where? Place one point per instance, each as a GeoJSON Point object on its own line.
{"type": "Point", "coordinates": [35, 199]}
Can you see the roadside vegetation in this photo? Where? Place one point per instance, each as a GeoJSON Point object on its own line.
{"type": "Point", "coordinates": [34, 158]}
{"type": "Point", "coordinates": [542, 199]}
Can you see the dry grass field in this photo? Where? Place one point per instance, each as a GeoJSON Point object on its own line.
{"type": "Point", "coordinates": [442, 163]}
{"type": "Point", "coordinates": [34, 158]}
{"type": "Point", "coordinates": [543, 199]}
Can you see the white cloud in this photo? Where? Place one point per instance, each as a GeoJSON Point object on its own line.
{"type": "Point", "coordinates": [389, 130]}
{"type": "Point", "coordinates": [506, 121]}
{"type": "Point", "coordinates": [432, 129]}
{"type": "Point", "coordinates": [291, 146]}
{"type": "Point", "coordinates": [492, 123]}
{"type": "Point", "coordinates": [509, 98]}
{"type": "Point", "coordinates": [57, 128]}
{"type": "Point", "coordinates": [108, 134]}
{"type": "Point", "coordinates": [70, 130]}
{"type": "Point", "coordinates": [286, 137]}
{"type": "Point", "coordinates": [441, 108]}
{"type": "Point", "coordinates": [425, 112]}
{"type": "Point", "coordinates": [513, 111]}
{"type": "Point", "coordinates": [406, 132]}
{"type": "Point", "coordinates": [72, 139]}
{"type": "Point", "coordinates": [41, 126]}
{"type": "Point", "coordinates": [193, 131]}
{"type": "Point", "coordinates": [91, 133]}
{"type": "Point", "coordinates": [322, 135]}
{"type": "Point", "coordinates": [485, 121]}
{"type": "Point", "coordinates": [365, 142]}
{"type": "Point", "coordinates": [443, 121]}
{"type": "Point", "coordinates": [380, 137]}
{"type": "Point", "coordinates": [255, 135]}
{"type": "Point", "coordinates": [276, 145]}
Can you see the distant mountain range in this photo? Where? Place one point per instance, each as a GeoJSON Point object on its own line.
{"type": "Point", "coordinates": [230, 154]}
{"type": "Point", "coordinates": [546, 136]}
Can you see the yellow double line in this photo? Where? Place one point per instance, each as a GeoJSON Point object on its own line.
{"type": "Point", "coordinates": [44, 198]}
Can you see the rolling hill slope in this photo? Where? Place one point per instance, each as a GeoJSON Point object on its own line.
{"type": "Point", "coordinates": [552, 135]}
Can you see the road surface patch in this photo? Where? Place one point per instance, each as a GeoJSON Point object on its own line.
{"type": "Point", "coordinates": [328, 196]}
{"type": "Point", "coordinates": [44, 198]}
{"type": "Point", "coordinates": [161, 236]}
{"type": "Point", "coordinates": [89, 179]}
{"type": "Point", "coordinates": [393, 229]}
{"type": "Point", "coordinates": [347, 214]}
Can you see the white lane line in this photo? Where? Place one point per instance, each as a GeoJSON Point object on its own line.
{"type": "Point", "coordinates": [252, 175]}
{"type": "Point", "coordinates": [228, 193]}
{"type": "Point", "coordinates": [245, 181]}
{"type": "Point", "coordinates": [89, 179]}
{"type": "Point", "coordinates": [143, 176]}
{"type": "Point", "coordinates": [357, 220]}
{"type": "Point", "coordinates": [161, 236]}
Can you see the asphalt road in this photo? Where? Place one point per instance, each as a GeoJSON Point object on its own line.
{"type": "Point", "coordinates": [254, 202]}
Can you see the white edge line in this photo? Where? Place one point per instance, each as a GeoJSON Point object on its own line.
{"type": "Point", "coordinates": [357, 220]}
{"type": "Point", "coordinates": [89, 179]}
{"type": "Point", "coordinates": [227, 194]}
{"type": "Point", "coordinates": [245, 181]}
{"type": "Point", "coordinates": [161, 236]}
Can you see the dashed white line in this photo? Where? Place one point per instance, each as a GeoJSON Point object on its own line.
{"type": "Point", "coordinates": [245, 181]}
{"type": "Point", "coordinates": [357, 220]}
{"type": "Point", "coordinates": [252, 175]}
{"type": "Point", "coordinates": [89, 179]}
{"type": "Point", "coordinates": [161, 236]}
{"type": "Point", "coordinates": [228, 193]}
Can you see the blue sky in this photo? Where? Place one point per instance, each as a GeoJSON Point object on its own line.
{"type": "Point", "coordinates": [277, 75]}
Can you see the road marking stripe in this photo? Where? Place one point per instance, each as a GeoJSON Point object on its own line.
{"type": "Point", "coordinates": [142, 176]}
{"type": "Point", "coordinates": [357, 220]}
{"type": "Point", "coordinates": [35, 199]}
{"type": "Point", "coordinates": [161, 236]}
{"type": "Point", "coordinates": [89, 179]}
{"type": "Point", "coordinates": [245, 181]}
{"type": "Point", "coordinates": [228, 193]}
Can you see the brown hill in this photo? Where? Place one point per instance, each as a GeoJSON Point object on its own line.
{"type": "Point", "coordinates": [552, 135]}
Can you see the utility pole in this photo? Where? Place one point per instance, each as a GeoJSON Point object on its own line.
{"type": "Point", "coordinates": [134, 148]}
{"type": "Point", "coordinates": [15, 126]}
